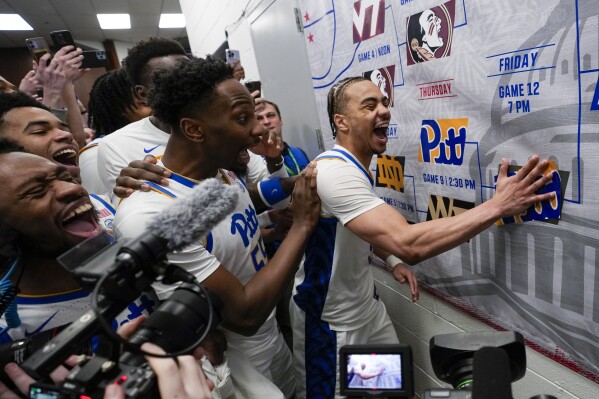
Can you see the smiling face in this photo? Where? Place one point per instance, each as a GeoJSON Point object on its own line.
{"type": "Point", "coordinates": [41, 133]}
{"type": "Point", "coordinates": [43, 204]}
{"type": "Point", "coordinates": [230, 126]}
{"type": "Point", "coordinates": [363, 123]}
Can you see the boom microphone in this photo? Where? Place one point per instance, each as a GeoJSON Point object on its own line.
{"type": "Point", "coordinates": [190, 218]}
{"type": "Point", "coordinates": [183, 223]}
{"type": "Point", "coordinates": [491, 374]}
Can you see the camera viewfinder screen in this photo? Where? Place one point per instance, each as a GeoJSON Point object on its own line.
{"type": "Point", "coordinates": [374, 371]}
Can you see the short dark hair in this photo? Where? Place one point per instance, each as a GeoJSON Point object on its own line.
{"type": "Point", "coordinates": [110, 97]}
{"type": "Point", "coordinates": [7, 146]}
{"type": "Point", "coordinates": [180, 91]}
{"type": "Point", "coordinates": [337, 98]}
{"type": "Point", "coordinates": [275, 106]}
{"type": "Point", "coordinates": [17, 99]}
{"type": "Point", "coordinates": [139, 55]}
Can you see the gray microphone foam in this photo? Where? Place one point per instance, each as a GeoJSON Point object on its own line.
{"type": "Point", "coordinates": [190, 218]}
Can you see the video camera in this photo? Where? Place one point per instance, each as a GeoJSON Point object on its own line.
{"type": "Point", "coordinates": [118, 274]}
{"type": "Point", "coordinates": [479, 365]}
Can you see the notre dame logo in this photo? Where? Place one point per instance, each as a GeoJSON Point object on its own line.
{"type": "Point", "coordinates": [389, 172]}
{"type": "Point", "coordinates": [442, 207]}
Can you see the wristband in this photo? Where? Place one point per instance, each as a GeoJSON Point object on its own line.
{"type": "Point", "coordinates": [271, 191]}
{"type": "Point", "coordinates": [392, 260]}
{"type": "Point", "coordinates": [264, 220]}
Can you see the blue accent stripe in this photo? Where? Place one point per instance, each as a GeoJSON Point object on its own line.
{"type": "Point", "coordinates": [242, 181]}
{"type": "Point", "coordinates": [351, 158]}
{"type": "Point", "coordinates": [183, 180]}
{"type": "Point", "coordinates": [320, 358]}
{"type": "Point", "coordinates": [209, 242]}
{"type": "Point", "coordinates": [161, 189]}
{"type": "Point", "coordinates": [320, 341]}
{"type": "Point", "coordinates": [42, 300]}
{"type": "Point", "coordinates": [106, 204]}
{"type": "Point", "coordinates": [312, 292]}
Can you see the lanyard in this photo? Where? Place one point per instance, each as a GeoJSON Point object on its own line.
{"type": "Point", "coordinates": [297, 168]}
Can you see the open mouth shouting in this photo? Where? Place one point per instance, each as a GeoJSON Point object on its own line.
{"type": "Point", "coordinates": [80, 220]}
{"type": "Point", "coordinates": [380, 131]}
{"type": "Point", "coordinates": [68, 158]}
{"type": "Point", "coordinates": [244, 157]}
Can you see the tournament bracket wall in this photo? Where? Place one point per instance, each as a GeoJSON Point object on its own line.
{"type": "Point", "coordinates": [472, 82]}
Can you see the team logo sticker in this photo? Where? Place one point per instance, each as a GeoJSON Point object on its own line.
{"type": "Point", "coordinates": [384, 78]}
{"type": "Point", "coordinates": [369, 19]}
{"type": "Point", "coordinates": [389, 172]}
{"type": "Point", "coordinates": [443, 207]}
{"type": "Point", "coordinates": [429, 33]}
{"type": "Point", "coordinates": [443, 140]}
{"type": "Point", "coordinates": [547, 211]}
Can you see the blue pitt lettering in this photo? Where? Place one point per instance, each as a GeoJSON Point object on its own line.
{"type": "Point", "coordinates": [441, 143]}
{"type": "Point", "coordinates": [550, 209]}
{"type": "Point", "coordinates": [246, 225]}
{"type": "Point", "coordinates": [259, 255]}
{"type": "Point", "coordinates": [136, 310]}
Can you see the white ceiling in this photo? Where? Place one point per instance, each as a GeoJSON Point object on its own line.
{"type": "Point", "coordinates": [79, 17]}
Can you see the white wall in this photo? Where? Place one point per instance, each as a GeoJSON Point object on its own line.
{"type": "Point", "coordinates": [206, 25]}
{"type": "Point", "coordinates": [415, 323]}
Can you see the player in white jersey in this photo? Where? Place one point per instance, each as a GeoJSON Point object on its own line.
{"type": "Point", "coordinates": [235, 242]}
{"type": "Point", "coordinates": [213, 122]}
{"type": "Point", "coordinates": [44, 213]}
{"type": "Point", "coordinates": [141, 138]}
{"type": "Point", "coordinates": [334, 302]}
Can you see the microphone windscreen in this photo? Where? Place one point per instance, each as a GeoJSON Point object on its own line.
{"type": "Point", "coordinates": [491, 374]}
{"type": "Point", "coordinates": [191, 217]}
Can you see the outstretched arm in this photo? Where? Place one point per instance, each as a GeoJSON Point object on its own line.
{"type": "Point", "coordinates": [387, 229]}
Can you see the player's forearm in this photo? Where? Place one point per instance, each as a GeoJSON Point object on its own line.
{"type": "Point", "coordinates": [74, 118]}
{"type": "Point", "coordinates": [264, 290]}
{"type": "Point", "coordinates": [417, 242]}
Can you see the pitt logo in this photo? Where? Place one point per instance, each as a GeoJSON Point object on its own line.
{"type": "Point", "coordinates": [369, 19]}
{"type": "Point", "coordinates": [443, 141]}
{"type": "Point", "coordinates": [544, 210]}
{"type": "Point", "coordinates": [443, 207]}
{"type": "Point", "coordinates": [245, 224]}
{"type": "Point", "coordinates": [389, 172]}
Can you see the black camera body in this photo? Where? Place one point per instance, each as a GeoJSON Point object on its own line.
{"type": "Point", "coordinates": [383, 371]}
{"type": "Point", "coordinates": [120, 273]}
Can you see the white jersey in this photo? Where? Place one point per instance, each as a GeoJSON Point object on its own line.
{"type": "Point", "coordinates": [138, 139]}
{"type": "Point", "coordinates": [335, 283]}
{"type": "Point", "coordinates": [104, 211]}
{"type": "Point", "coordinates": [47, 312]}
{"type": "Point", "coordinates": [88, 164]}
{"type": "Point", "coordinates": [235, 243]}
{"type": "Point", "coordinates": [130, 143]}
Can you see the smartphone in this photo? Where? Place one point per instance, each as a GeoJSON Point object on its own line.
{"type": "Point", "coordinates": [94, 59]}
{"type": "Point", "coordinates": [38, 47]}
{"type": "Point", "coordinates": [232, 56]}
{"type": "Point", "coordinates": [62, 38]}
{"type": "Point", "coordinates": [254, 85]}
